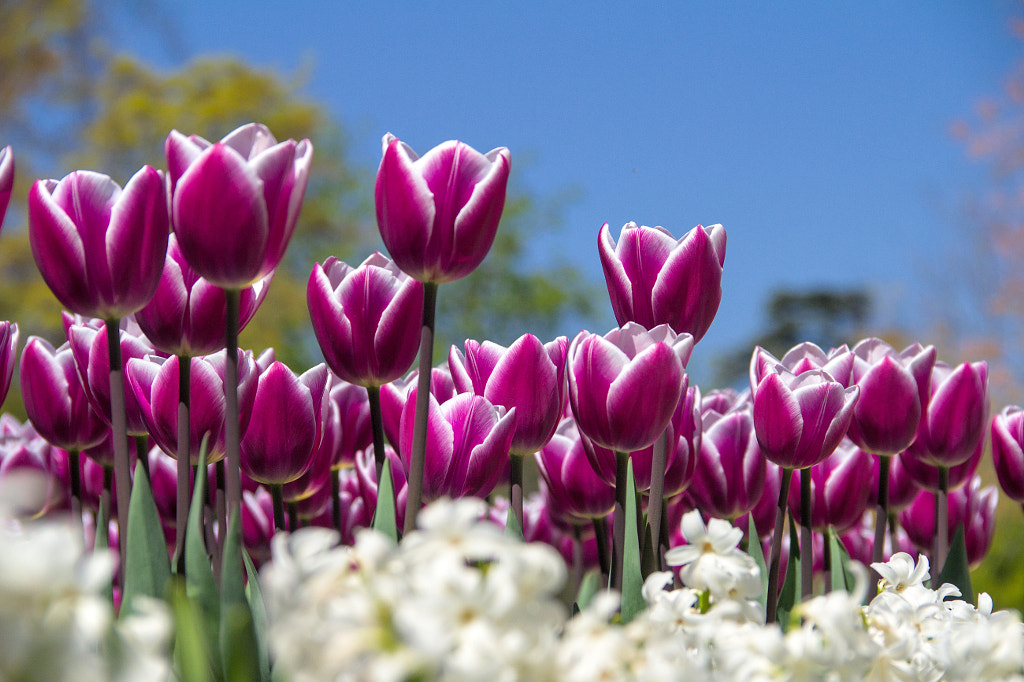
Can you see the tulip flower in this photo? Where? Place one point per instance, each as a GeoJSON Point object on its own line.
{"type": "Point", "coordinates": [185, 317]}
{"type": "Point", "coordinates": [655, 279]}
{"type": "Point", "coordinates": [799, 420]}
{"type": "Point", "coordinates": [359, 492]}
{"type": "Point", "coordinates": [1008, 451]}
{"type": "Point", "coordinates": [971, 505]}
{"type": "Point", "coordinates": [839, 488]}
{"type": "Point", "coordinates": [236, 202]}
{"type": "Point", "coordinates": [8, 355]}
{"type": "Point", "coordinates": [6, 179]}
{"type": "Point", "coordinates": [366, 319]}
{"type": "Point", "coordinates": [394, 395]}
{"type": "Point", "coordinates": [801, 358]}
{"type": "Point", "coordinates": [356, 433]}
{"type": "Point", "coordinates": [467, 444]}
{"type": "Point", "coordinates": [730, 472]}
{"type": "Point", "coordinates": [438, 213]}
{"type": "Point", "coordinates": [929, 477]}
{"type": "Point", "coordinates": [571, 482]}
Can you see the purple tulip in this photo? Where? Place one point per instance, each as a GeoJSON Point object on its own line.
{"type": "Point", "coordinates": [956, 417]}
{"type": "Point", "coordinates": [859, 541]}
{"type": "Point", "coordinates": [969, 505]}
{"type": "Point", "coordinates": [801, 419]}
{"type": "Point", "coordinates": [356, 433]}
{"type": "Point", "coordinates": [438, 213]}
{"type": "Point", "coordinates": [1008, 451]}
{"type": "Point", "coordinates": [528, 376]}
{"type": "Point", "coordinates": [766, 506]}
{"type": "Point", "coordinates": [571, 482]}
{"type": "Point", "coordinates": [888, 413]}
{"type": "Point", "coordinates": [730, 473]}
{"type": "Point", "coordinates": [625, 386]}
{"type": "Point", "coordinates": [366, 319]}
{"type": "Point", "coordinates": [359, 492]}
{"type": "Point", "coordinates": [6, 179]}
{"type": "Point", "coordinates": [804, 357]}
{"type": "Point", "coordinates": [393, 397]}
{"type": "Point", "coordinates": [926, 476]}
{"type": "Point", "coordinates": [55, 399]}
{"type": "Point", "coordinates": [655, 279]}
{"type": "Point", "coordinates": [903, 488]}
{"type": "Point", "coordinates": [468, 440]}
{"type": "Point", "coordinates": [236, 202]}
{"type": "Point", "coordinates": [257, 524]}
{"type": "Point", "coordinates": [286, 424]}
{"type": "Point", "coordinates": [8, 355]}
{"type": "Point", "coordinates": [186, 314]}
{"type": "Point", "coordinates": [99, 248]}
{"type": "Point", "coordinates": [154, 385]}
{"type": "Point", "coordinates": [721, 400]}
{"type": "Point", "coordinates": [839, 488]}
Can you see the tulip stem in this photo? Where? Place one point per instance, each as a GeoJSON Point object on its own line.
{"type": "Point", "coordinates": [377, 424]}
{"type": "Point", "coordinates": [619, 519]}
{"type": "Point", "coordinates": [336, 502]}
{"type": "Point", "coordinates": [657, 499]}
{"type": "Point", "coordinates": [108, 485]}
{"type": "Point", "coordinates": [118, 421]}
{"type": "Point", "coordinates": [826, 558]}
{"type": "Point", "coordinates": [75, 474]}
{"type": "Point", "coordinates": [142, 454]}
{"type": "Point", "coordinates": [601, 537]}
{"type": "Point", "coordinates": [222, 514]}
{"type": "Point", "coordinates": [941, 522]}
{"type": "Point", "coordinates": [806, 539]}
{"type": "Point", "coordinates": [233, 480]}
{"type": "Point", "coordinates": [293, 516]}
{"type": "Point", "coordinates": [577, 559]}
{"type": "Point", "coordinates": [419, 439]}
{"type": "Point", "coordinates": [882, 513]}
{"type": "Point", "coordinates": [277, 494]}
{"type": "Point", "coordinates": [773, 569]}
{"type": "Point", "coordinates": [184, 491]}
{"type": "Point", "coordinates": [516, 487]}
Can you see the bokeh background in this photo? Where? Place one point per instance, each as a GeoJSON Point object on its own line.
{"type": "Point", "coordinates": [865, 159]}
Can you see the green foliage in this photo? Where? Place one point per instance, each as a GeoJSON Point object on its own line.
{"type": "Point", "coordinates": [632, 577]}
{"type": "Point", "coordinates": [956, 571]}
{"type": "Point", "coordinates": [384, 517]}
{"type": "Point", "coordinates": [757, 553]}
{"type": "Point", "coordinates": [146, 567]}
{"type": "Point", "coordinates": [789, 597]}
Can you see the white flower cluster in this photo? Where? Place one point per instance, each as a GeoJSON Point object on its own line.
{"type": "Point", "coordinates": [56, 623]}
{"type": "Point", "coordinates": [458, 600]}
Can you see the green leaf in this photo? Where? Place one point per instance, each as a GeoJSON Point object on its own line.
{"type": "Point", "coordinates": [790, 594]}
{"type": "Point", "coordinates": [190, 655]}
{"type": "Point", "coordinates": [200, 585]}
{"type": "Point", "coordinates": [588, 588]}
{"type": "Point", "coordinates": [238, 646]}
{"type": "Point", "coordinates": [146, 566]}
{"type": "Point", "coordinates": [957, 571]}
{"type": "Point", "coordinates": [757, 553]}
{"type": "Point", "coordinates": [512, 527]}
{"type": "Point", "coordinates": [648, 561]}
{"type": "Point", "coordinates": [254, 594]}
{"type": "Point", "coordinates": [384, 518]}
{"type": "Point", "coordinates": [632, 577]}
{"type": "Point", "coordinates": [835, 555]}
{"type": "Point", "coordinates": [101, 543]}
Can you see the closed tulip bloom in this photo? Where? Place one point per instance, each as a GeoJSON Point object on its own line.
{"type": "Point", "coordinates": [888, 412]}
{"type": "Point", "coordinates": [395, 395]}
{"type": "Point", "coordinates": [926, 475]}
{"type": "Point", "coordinates": [366, 319]}
{"type": "Point", "coordinates": [572, 483]}
{"type": "Point", "coordinates": [625, 386]}
{"type": "Point", "coordinates": [839, 488]}
{"type": "Point", "coordinates": [359, 492]}
{"type": "Point", "coordinates": [801, 419]}
{"type": "Point", "coordinates": [438, 213]}
{"type": "Point", "coordinates": [655, 279]}
{"type": "Point", "coordinates": [153, 383]}
{"type": "Point", "coordinates": [970, 505]}
{"type": "Point", "coordinates": [721, 400]}
{"type": "Point", "coordinates": [801, 358]}
{"type": "Point", "coordinates": [730, 474]}
{"type": "Point", "coordinates": [6, 179]}
{"type": "Point", "coordinates": [956, 416]}
{"type": "Point", "coordinates": [903, 488]}
{"type": "Point", "coordinates": [8, 355]}
{"type": "Point", "coordinates": [235, 203]}
{"type": "Point", "coordinates": [1008, 451]}
{"type": "Point", "coordinates": [186, 314]}
{"type": "Point", "coordinates": [528, 376]}
{"type": "Point", "coordinates": [355, 432]}
{"type": "Point", "coordinates": [468, 439]}
{"type": "Point", "coordinates": [285, 426]}
{"type": "Point", "coordinates": [55, 399]}
{"type": "Point", "coordinates": [99, 248]}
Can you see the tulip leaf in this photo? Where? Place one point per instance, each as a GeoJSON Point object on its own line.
{"type": "Point", "coordinates": [842, 577]}
{"type": "Point", "coordinates": [102, 543]}
{"type": "Point", "coordinates": [648, 561]}
{"type": "Point", "coordinates": [254, 595]}
{"type": "Point", "coordinates": [146, 566]}
{"type": "Point", "coordinates": [190, 652]}
{"type": "Point", "coordinates": [757, 554]}
{"type": "Point", "coordinates": [384, 518]}
{"type": "Point", "coordinates": [238, 645]}
{"type": "Point", "coordinates": [789, 596]}
{"type": "Point", "coordinates": [512, 527]}
{"type": "Point", "coordinates": [588, 588]}
{"type": "Point", "coordinates": [956, 571]}
{"type": "Point", "coordinates": [200, 585]}
{"type": "Point", "coordinates": [632, 577]}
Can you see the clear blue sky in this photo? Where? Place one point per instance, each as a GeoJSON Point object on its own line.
{"type": "Point", "coordinates": [815, 132]}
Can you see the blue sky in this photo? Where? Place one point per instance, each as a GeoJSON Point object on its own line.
{"type": "Point", "coordinates": [816, 133]}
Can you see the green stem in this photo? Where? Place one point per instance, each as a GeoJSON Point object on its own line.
{"type": "Point", "coordinates": [336, 500]}
{"type": "Point", "coordinates": [119, 434]}
{"type": "Point", "coordinates": [941, 522]}
{"type": "Point", "coordinates": [806, 539]}
{"type": "Point", "coordinates": [75, 473]}
{"type": "Point", "coordinates": [601, 537]}
{"type": "Point", "coordinates": [882, 513]}
{"type": "Point", "coordinates": [233, 477]}
{"type": "Point", "coordinates": [142, 455]}
{"type": "Point", "coordinates": [419, 439]}
{"type": "Point", "coordinates": [277, 494]}
{"type": "Point", "coordinates": [377, 424]}
{"type": "Point", "coordinates": [293, 516]}
{"type": "Point", "coordinates": [773, 569]}
{"type": "Point", "coordinates": [657, 499]}
{"type": "Point", "coordinates": [619, 519]}
{"type": "Point", "coordinates": [184, 491]}
{"type": "Point", "coordinates": [516, 487]}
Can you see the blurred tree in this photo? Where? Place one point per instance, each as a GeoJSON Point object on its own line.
{"type": "Point", "coordinates": [827, 317]}
{"type": "Point", "coordinates": [66, 95]}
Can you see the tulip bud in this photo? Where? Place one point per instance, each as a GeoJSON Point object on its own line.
{"type": "Point", "coordinates": [6, 179]}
